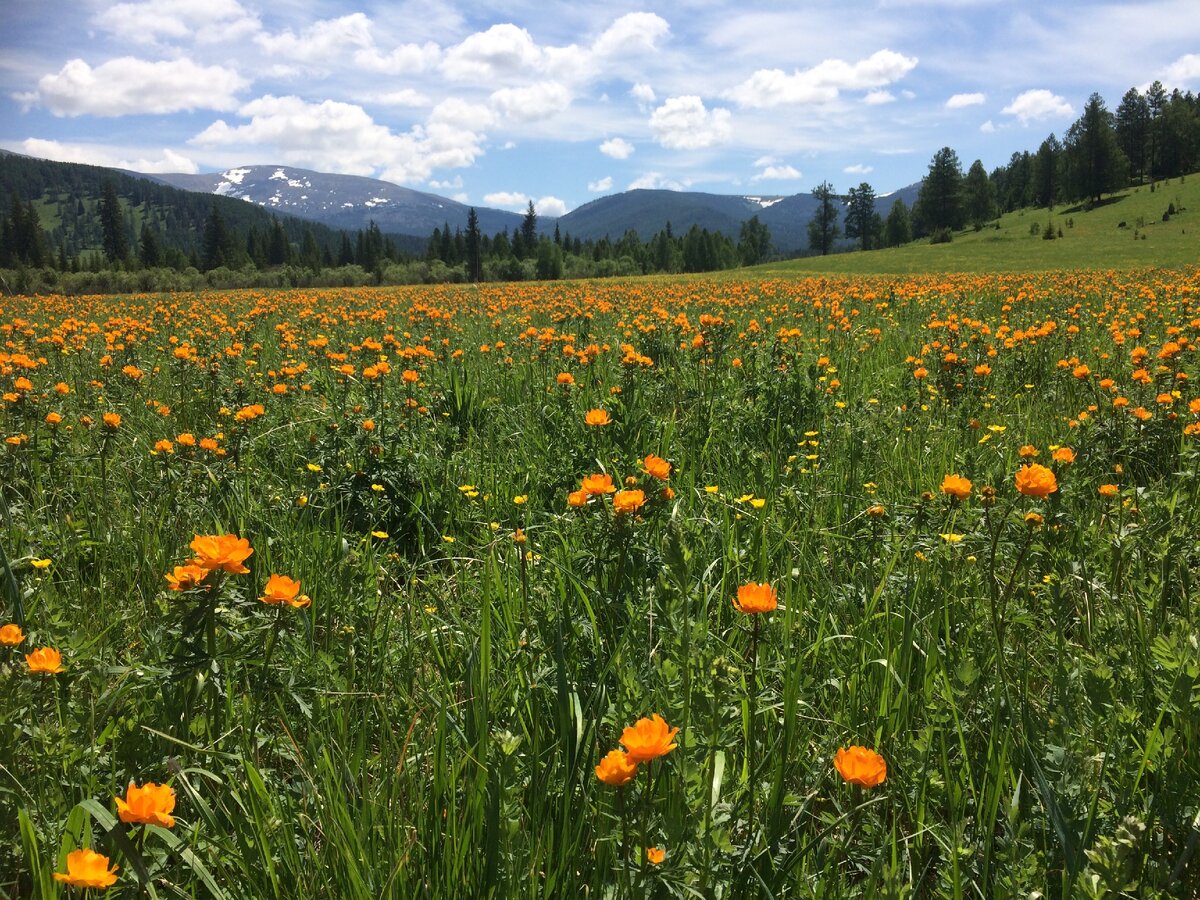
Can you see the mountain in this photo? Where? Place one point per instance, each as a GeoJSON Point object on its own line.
{"type": "Point", "coordinates": [341, 201]}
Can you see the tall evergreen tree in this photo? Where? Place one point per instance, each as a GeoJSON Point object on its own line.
{"type": "Point", "coordinates": [861, 221]}
{"type": "Point", "coordinates": [529, 231]}
{"type": "Point", "coordinates": [1046, 166]}
{"type": "Point", "coordinates": [754, 242]}
{"type": "Point", "coordinates": [979, 196]}
{"type": "Point", "coordinates": [1133, 131]}
{"type": "Point", "coordinates": [898, 228]}
{"type": "Point", "coordinates": [823, 229]}
{"type": "Point", "coordinates": [474, 248]}
{"type": "Point", "coordinates": [1096, 163]}
{"type": "Point", "coordinates": [149, 251]}
{"type": "Point", "coordinates": [112, 224]}
{"type": "Point", "coordinates": [940, 200]}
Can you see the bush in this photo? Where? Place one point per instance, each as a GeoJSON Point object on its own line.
{"type": "Point", "coordinates": [941, 236]}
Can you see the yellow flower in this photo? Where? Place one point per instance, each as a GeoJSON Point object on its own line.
{"type": "Point", "coordinates": [521, 499]}
{"type": "Point", "coordinates": [88, 869]}
{"type": "Point", "coordinates": [42, 564]}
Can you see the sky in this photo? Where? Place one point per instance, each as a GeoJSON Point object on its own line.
{"type": "Point", "coordinates": [499, 103]}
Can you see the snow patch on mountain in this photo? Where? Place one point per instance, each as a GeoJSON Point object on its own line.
{"type": "Point", "coordinates": [235, 175]}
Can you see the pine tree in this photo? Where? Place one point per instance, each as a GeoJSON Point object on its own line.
{"type": "Point", "coordinates": [1096, 163]}
{"type": "Point", "coordinates": [940, 201]}
{"type": "Point", "coordinates": [860, 216]}
{"type": "Point", "coordinates": [898, 228]}
{"type": "Point", "coordinates": [112, 224]}
{"type": "Point", "coordinates": [823, 229]}
{"type": "Point", "coordinates": [474, 248]}
{"type": "Point", "coordinates": [980, 196]}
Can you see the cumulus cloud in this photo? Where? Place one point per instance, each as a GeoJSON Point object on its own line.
{"type": "Point", "coordinates": [402, 97]}
{"type": "Point", "coordinates": [683, 123]}
{"type": "Point", "coordinates": [168, 161]}
{"type": "Point", "coordinates": [959, 101]}
{"type": "Point", "coordinates": [1184, 72]}
{"type": "Point", "coordinates": [1033, 106]}
{"type": "Point", "coordinates": [331, 42]}
{"type": "Point", "coordinates": [543, 206]}
{"type": "Point", "coordinates": [987, 127]}
{"type": "Point", "coordinates": [201, 20]}
{"type": "Point", "coordinates": [498, 53]}
{"type": "Point", "coordinates": [778, 172]}
{"type": "Point", "coordinates": [617, 148]}
{"type": "Point", "coordinates": [642, 93]}
{"type": "Point", "coordinates": [407, 59]}
{"type": "Point", "coordinates": [859, 169]}
{"type": "Point", "coordinates": [877, 98]}
{"type": "Point", "coordinates": [537, 101]}
{"type": "Point", "coordinates": [549, 206]}
{"type": "Point", "coordinates": [823, 82]}
{"type": "Point", "coordinates": [600, 186]}
{"type": "Point", "coordinates": [512, 199]}
{"type": "Point", "coordinates": [450, 184]}
{"type": "Point", "coordinates": [655, 181]}
{"type": "Point", "coordinates": [630, 34]}
{"type": "Point", "coordinates": [126, 86]}
{"type": "Point", "coordinates": [342, 137]}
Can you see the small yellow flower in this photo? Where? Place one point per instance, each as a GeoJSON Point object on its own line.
{"type": "Point", "coordinates": [758, 502]}
{"type": "Point", "coordinates": [712, 489]}
{"type": "Point", "coordinates": [42, 564]}
{"type": "Point", "coordinates": [951, 537]}
{"type": "Point", "coordinates": [521, 499]}
{"type": "Point", "coordinates": [313, 467]}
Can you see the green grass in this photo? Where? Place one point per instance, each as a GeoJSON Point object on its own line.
{"type": "Point", "coordinates": [1090, 239]}
{"type": "Point", "coordinates": [430, 725]}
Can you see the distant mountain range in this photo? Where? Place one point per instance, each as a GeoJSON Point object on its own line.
{"type": "Point", "coordinates": [351, 202]}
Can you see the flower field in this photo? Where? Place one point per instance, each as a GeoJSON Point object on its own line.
{"type": "Point", "coordinates": [818, 587]}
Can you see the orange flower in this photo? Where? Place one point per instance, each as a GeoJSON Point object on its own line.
{"type": "Point", "coordinates": [282, 589]}
{"type": "Point", "coordinates": [88, 869]}
{"type": "Point", "coordinates": [221, 552]}
{"type": "Point", "coordinates": [756, 598]}
{"type": "Point", "coordinates": [594, 485]}
{"type": "Point", "coordinates": [1036, 480]}
{"type": "Point", "coordinates": [1063, 455]}
{"type": "Point", "coordinates": [597, 417]}
{"type": "Point", "coordinates": [186, 578]}
{"type": "Point", "coordinates": [1108, 490]}
{"type": "Point", "coordinates": [657, 467]}
{"type": "Point", "coordinates": [858, 765]}
{"type": "Point", "coordinates": [150, 804]}
{"type": "Point", "coordinates": [11, 635]}
{"type": "Point", "coordinates": [628, 501]}
{"type": "Point", "coordinates": [53, 418]}
{"type": "Point", "coordinates": [616, 768]}
{"type": "Point", "coordinates": [577, 499]}
{"type": "Point", "coordinates": [655, 855]}
{"type": "Point", "coordinates": [956, 486]}
{"type": "Point", "coordinates": [1027, 451]}
{"type": "Point", "coordinates": [112, 421]}
{"type": "Point", "coordinates": [44, 661]}
{"type": "Point", "coordinates": [648, 739]}
{"type": "Point", "coordinates": [410, 376]}
{"type": "Point", "coordinates": [565, 378]}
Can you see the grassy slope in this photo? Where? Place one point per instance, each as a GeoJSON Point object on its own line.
{"type": "Point", "coordinates": [1093, 242]}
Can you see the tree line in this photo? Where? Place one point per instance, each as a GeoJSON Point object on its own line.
{"type": "Point", "coordinates": [526, 254]}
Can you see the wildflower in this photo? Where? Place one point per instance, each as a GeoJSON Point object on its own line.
{"type": "Point", "coordinates": [221, 552]}
{"type": "Point", "coordinates": [576, 499]}
{"type": "Point", "coordinates": [88, 869]}
{"type": "Point", "coordinates": [616, 768]}
{"type": "Point", "coordinates": [756, 598]}
{"type": "Point", "coordinates": [657, 467]}
{"type": "Point", "coordinates": [410, 376]}
{"type": "Point", "coordinates": [858, 765]}
{"type": "Point", "coordinates": [1036, 481]}
{"type": "Point", "coordinates": [956, 486]}
{"type": "Point", "coordinates": [187, 439]}
{"type": "Point", "coordinates": [40, 564]}
{"type": "Point", "coordinates": [758, 502]}
{"type": "Point", "coordinates": [282, 589]}
{"type": "Point", "coordinates": [382, 535]}
{"type": "Point", "coordinates": [11, 635]}
{"type": "Point", "coordinates": [187, 577]}
{"type": "Point", "coordinates": [1108, 490]}
{"type": "Point", "coordinates": [519, 536]}
{"type": "Point", "coordinates": [628, 501]}
{"type": "Point", "coordinates": [150, 804]}
{"type": "Point", "coordinates": [987, 496]}
{"type": "Point", "coordinates": [1063, 455]}
{"type": "Point", "coordinates": [655, 855]}
{"type": "Point", "coordinates": [521, 499]}
{"type": "Point", "coordinates": [53, 418]}
{"type": "Point", "coordinates": [44, 661]}
{"type": "Point", "coordinates": [1028, 451]}
{"type": "Point", "coordinates": [112, 421]}
{"type": "Point", "coordinates": [1034, 520]}
{"type": "Point", "coordinates": [596, 417]}
{"type": "Point", "coordinates": [648, 739]}
{"type": "Point", "coordinates": [164, 446]}
{"type": "Point", "coordinates": [368, 425]}
{"type": "Point", "coordinates": [565, 378]}
{"type": "Point", "coordinates": [877, 511]}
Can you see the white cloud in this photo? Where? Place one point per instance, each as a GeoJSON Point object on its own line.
{"type": "Point", "coordinates": [407, 59]}
{"type": "Point", "coordinates": [599, 187]}
{"type": "Point", "coordinates": [450, 184]}
{"type": "Point", "coordinates": [778, 173]}
{"type": "Point", "coordinates": [1185, 71]}
{"type": "Point", "coordinates": [549, 206]}
{"type": "Point", "coordinates": [147, 22]}
{"type": "Point", "coordinates": [500, 52]}
{"type": "Point", "coordinates": [128, 86]}
{"type": "Point", "coordinates": [959, 101]}
{"type": "Point", "coordinates": [683, 123]}
{"type": "Point", "coordinates": [632, 33]}
{"type": "Point", "coordinates": [655, 181]}
{"type": "Point", "coordinates": [169, 161]}
{"type": "Point", "coordinates": [1033, 106]}
{"type": "Point", "coordinates": [402, 97]}
{"type": "Point", "coordinates": [617, 148]}
{"type": "Point", "coordinates": [537, 101]}
{"type": "Point", "coordinates": [461, 197]}
{"type": "Point", "coordinates": [642, 93]}
{"type": "Point", "coordinates": [987, 127]}
{"type": "Point", "coordinates": [859, 169]}
{"type": "Point", "coordinates": [823, 82]}
{"type": "Point", "coordinates": [342, 137]}
{"type": "Point", "coordinates": [877, 98]}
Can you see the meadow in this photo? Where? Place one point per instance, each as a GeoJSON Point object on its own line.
{"type": "Point", "coordinates": [753, 585]}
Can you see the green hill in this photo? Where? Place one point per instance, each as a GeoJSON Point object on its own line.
{"type": "Point", "coordinates": [1127, 229]}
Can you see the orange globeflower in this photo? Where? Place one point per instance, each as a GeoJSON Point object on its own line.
{"type": "Point", "coordinates": [956, 486]}
{"type": "Point", "coordinates": [655, 855]}
{"type": "Point", "coordinates": [858, 765]}
{"type": "Point", "coordinates": [597, 417]}
{"type": "Point", "coordinates": [88, 869]}
{"type": "Point", "coordinates": [628, 501]}
{"type": "Point", "coordinates": [221, 552]}
{"type": "Point", "coordinates": [577, 499]}
{"type": "Point", "coordinates": [150, 804]}
{"type": "Point", "coordinates": [648, 739]}
{"type": "Point", "coordinates": [282, 589]}
{"type": "Point", "coordinates": [1063, 455]}
{"type": "Point", "coordinates": [44, 661]}
{"type": "Point", "coordinates": [594, 485]}
{"type": "Point", "coordinates": [756, 598]}
{"type": "Point", "coordinates": [111, 420]}
{"type": "Point", "coordinates": [186, 578]}
{"type": "Point", "coordinates": [616, 768]}
{"type": "Point", "coordinates": [657, 467]}
{"type": "Point", "coordinates": [565, 378]}
{"type": "Point", "coordinates": [11, 635]}
{"type": "Point", "coordinates": [1106, 490]}
{"type": "Point", "coordinates": [1036, 480]}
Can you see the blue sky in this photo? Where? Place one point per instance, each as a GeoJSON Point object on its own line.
{"type": "Point", "coordinates": [496, 103]}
